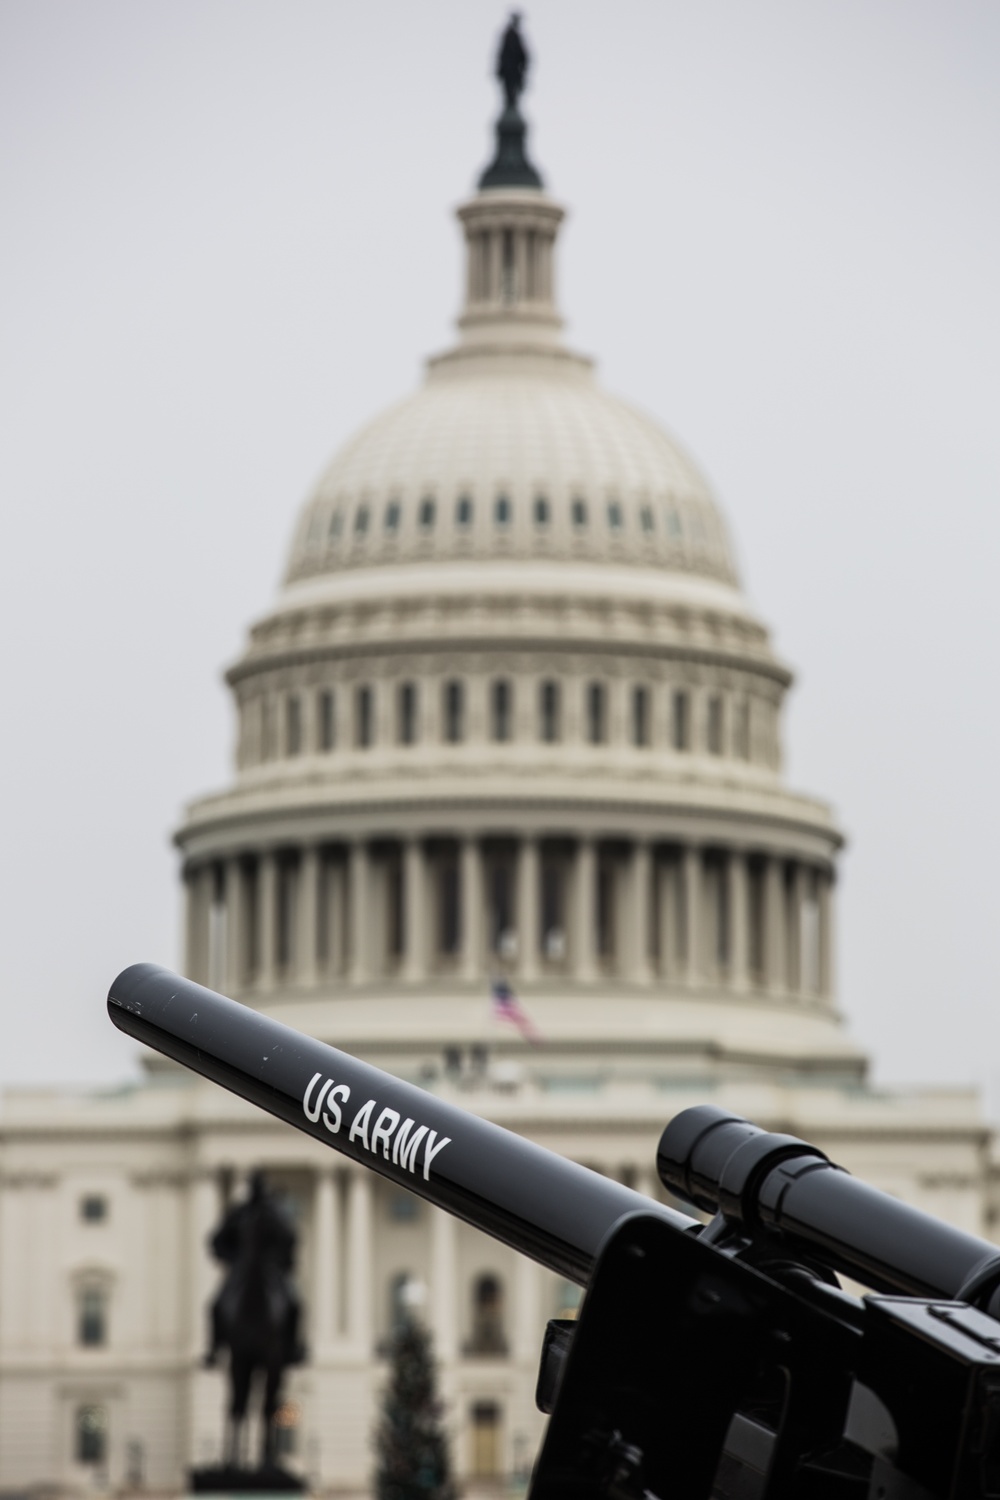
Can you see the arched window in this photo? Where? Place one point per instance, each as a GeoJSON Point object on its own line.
{"type": "Point", "coordinates": [426, 514]}
{"type": "Point", "coordinates": [463, 512]}
{"type": "Point", "coordinates": [542, 513]}
{"type": "Point", "coordinates": [93, 1208]}
{"type": "Point", "coordinates": [392, 516]}
{"type": "Point", "coordinates": [91, 1444]}
{"type": "Point", "coordinates": [92, 1316]}
{"type": "Point", "coordinates": [501, 511]}
{"type": "Point", "coordinates": [548, 712]}
{"type": "Point", "coordinates": [327, 720]}
{"type": "Point", "coordinates": [364, 709]}
{"type": "Point", "coordinates": [596, 728]}
{"type": "Point", "coordinates": [681, 721]}
{"type": "Point", "coordinates": [487, 1316]}
{"type": "Point", "coordinates": [615, 518]}
{"type": "Point", "coordinates": [454, 712]}
{"type": "Point", "coordinates": [500, 705]}
{"type": "Point", "coordinates": [579, 513]}
{"type": "Point", "coordinates": [407, 714]}
{"type": "Point", "coordinates": [640, 716]}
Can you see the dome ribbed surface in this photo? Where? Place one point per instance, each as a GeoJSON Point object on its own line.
{"type": "Point", "coordinates": [519, 463]}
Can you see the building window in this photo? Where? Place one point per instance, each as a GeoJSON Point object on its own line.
{"type": "Point", "coordinates": [714, 728]}
{"type": "Point", "coordinates": [500, 704]}
{"type": "Point", "coordinates": [463, 512]}
{"type": "Point", "coordinates": [615, 519]}
{"type": "Point", "coordinates": [406, 705]}
{"type": "Point", "coordinates": [681, 721]}
{"type": "Point", "coordinates": [92, 1317]}
{"type": "Point", "coordinates": [755, 923]}
{"type": "Point", "coordinates": [364, 710]}
{"type": "Point", "coordinates": [486, 1455]}
{"type": "Point", "coordinates": [646, 517]}
{"type": "Point", "coordinates": [404, 1207]}
{"type": "Point", "coordinates": [448, 912]}
{"type": "Point", "coordinates": [454, 712]}
{"type": "Point", "coordinates": [717, 891]}
{"type": "Point", "coordinates": [361, 520]}
{"type": "Point", "coordinates": [487, 1317]}
{"type": "Point", "coordinates": [542, 514]}
{"type": "Point", "coordinates": [605, 934]}
{"type": "Point", "coordinates": [548, 712]}
{"type": "Point", "coordinates": [91, 1446]}
{"type": "Point", "coordinates": [293, 725]}
{"type": "Point", "coordinates": [501, 511]}
{"type": "Point", "coordinates": [392, 516]}
{"type": "Point", "coordinates": [640, 716]}
{"type": "Point", "coordinates": [426, 514]}
{"type": "Point", "coordinates": [93, 1208]}
{"type": "Point", "coordinates": [579, 512]}
{"type": "Point", "coordinates": [327, 720]}
{"type": "Point", "coordinates": [596, 726]}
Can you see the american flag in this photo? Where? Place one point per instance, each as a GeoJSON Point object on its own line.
{"type": "Point", "coordinates": [507, 1007]}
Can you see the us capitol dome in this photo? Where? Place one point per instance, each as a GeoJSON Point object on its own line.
{"type": "Point", "coordinates": [510, 724]}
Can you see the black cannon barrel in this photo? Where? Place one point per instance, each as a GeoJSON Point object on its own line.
{"type": "Point", "coordinates": [780, 1184]}
{"type": "Point", "coordinates": [551, 1209]}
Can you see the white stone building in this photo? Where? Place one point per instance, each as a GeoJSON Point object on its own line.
{"type": "Point", "coordinates": [510, 714]}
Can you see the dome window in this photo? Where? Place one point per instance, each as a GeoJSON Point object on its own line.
{"type": "Point", "coordinates": [454, 713]}
{"type": "Point", "coordinates": [407, 714]}
{"type": "Point", "coordinates": [542, 514]}
{"type": "Point", "coordinates": [681, 721]}
{"type": "Point", "coordinates": [364, 722]}
{"type": "Point", "coordinates": [640, 716]}
{"type": "Point", "coordinates": [392, 517]}
{"type": "Point", "coordinates": [646, 516]}
{"type": "Point", "coordinates": [579, 514]}
{"type": "Point", "coordinates": [293, 724]}
{"type": "Point", "coordinates": [715, 726]}
{"type": "Point", "coordinates": [614, 516]}
{"type": "Point", "coordinates": [327, 720]}
{"type": "Point", "coordinates": [501, 698]}
{"type": "Point", "coordinates": [596, 725]}
{"type": "Point", "coordinates": [501, 511]}
{"type": "Point", "coordinates": [463, 512]}
{"type": "Point", "coordinates": [426, 514]}
{"type": "Point", "coordinates": [548, 712]}
{"type": "Point", "coordinates": [361, 520]}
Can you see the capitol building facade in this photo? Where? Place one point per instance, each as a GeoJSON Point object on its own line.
{"type": "Point", "coordinates": [510, 718]}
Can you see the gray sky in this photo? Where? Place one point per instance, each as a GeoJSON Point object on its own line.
{"type": "Point", "coordinates": [228, 241]}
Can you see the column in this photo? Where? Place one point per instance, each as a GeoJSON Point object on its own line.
{"type": "Point", "coordinates": [203, 1218]}
{"type": "Point", "coordinates": [691, 876]}
{"type": "Point", "coordinates": [267, 917]}
{"type": "Point", "coordinates": [826, 934]}
{"type": "Point", "coordinates": [414, 910]}
{"type": "Point", "coordinates": [471, 875]}
{"type": "Point", "coordinates": [640, 900]}
{"type": "Point", "coordinates": [358, 1288]}
{"type": "Point", "coordinates": [358, 902]}
{"type": "Point", "coordinates": [444, 1285]}
{"type": "Point", "coordinates": [739, 920]}
{"type": "Point", "coordinates": [527, 907]}
{"type": "Point", "coordinates": [236, 942]}
{"type": "Point", "coordinates": [326, 1296]}
{"type": "Point", "coordinates": [527, 1310]}
{"type": "Point", "coordinates": [307, 915]}
{"type": "Point", "coordinates": [584, 901]}
{"type": "Point", "coordinates": [774, 924]}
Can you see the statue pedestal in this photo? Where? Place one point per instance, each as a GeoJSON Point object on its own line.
{"type": "Point", "coordinates": [225, 1479]}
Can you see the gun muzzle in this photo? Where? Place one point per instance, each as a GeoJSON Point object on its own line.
{"type": "Point", "coordinates": [550, 1209]}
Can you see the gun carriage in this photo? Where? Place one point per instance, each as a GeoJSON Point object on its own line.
{"type": "Point", "coordinates": [721, 1361]}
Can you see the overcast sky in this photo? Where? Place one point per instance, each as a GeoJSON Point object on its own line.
{"type": "Point", "coordinates": [228, 240]}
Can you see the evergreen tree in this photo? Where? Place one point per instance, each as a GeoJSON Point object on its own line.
{"type": "Point", "coordinates": [413, 1462]}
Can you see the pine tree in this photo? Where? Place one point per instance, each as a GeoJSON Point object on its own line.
{"type": "Point", "coordinates": [413, 1462]}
